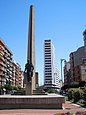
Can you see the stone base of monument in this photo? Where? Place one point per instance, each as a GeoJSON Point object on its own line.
{"type": "Point", "coordinates": [27, 85]}
{"type": "Point", "coordinates": [28, 89]}
{"type": "Point", "coordinates": [39, 92]}
{"type": "Point", "coordinates": [52, 101]}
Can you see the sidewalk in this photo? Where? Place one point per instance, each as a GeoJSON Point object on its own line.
{"type": "Point", "coordinates": [67, 107]}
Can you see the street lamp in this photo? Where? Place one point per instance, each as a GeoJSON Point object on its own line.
{"type": "Point", "coordinates": [61, 68]}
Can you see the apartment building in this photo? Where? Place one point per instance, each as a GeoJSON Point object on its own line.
{"type": "Point", "coordinates": [67, 73]}
{"type": "Point", "coordinates": [77, 71]}
{"type": "Point", "coordinates": [76, 59]}
{"type": "Point", "coordinates": [10, 72]}
{"type": "Point", "coordinates": [5, 64]}
{"type": "Point", "coordinates": [17, 79]}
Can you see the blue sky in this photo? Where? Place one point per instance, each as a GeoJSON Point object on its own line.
{"type": "Point", "coordinates": [62, 21]}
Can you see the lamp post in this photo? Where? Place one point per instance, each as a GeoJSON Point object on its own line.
{"type": "Point", "coordinates": [61, 68]}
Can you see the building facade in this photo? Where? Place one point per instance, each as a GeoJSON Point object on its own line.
{"type": "Point", "coordinates": [57, 78]}
{"type": "Point", "coordinates": [76, 60]}
{"type": "Point", "coordinates": [17, 75]}
{"type": "Point", "coordinates": [10, 72]}
{"type": "Point", "coordinates": [67, 73]}
{"type": "Point", "coordinates": [77, 73]}
{"type": "Point", "coordinates": [5, 64]}
{"type": "Point", "coordinates": [51, 76]}
{"type": "Point", "coordinates": [83, 71]}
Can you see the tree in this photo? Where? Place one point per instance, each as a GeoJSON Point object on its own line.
{"type": "Point", "coordinates": [14, 88]}
{"type": "Point", "coordinates": [74, 85]}
{"type": "Point", "coordinates": [1, 87]}
{"type": "Point", "coordinates": [8, 87]}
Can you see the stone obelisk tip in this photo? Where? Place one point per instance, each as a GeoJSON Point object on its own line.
{"type": "Point", "coordinates": [31, 6]}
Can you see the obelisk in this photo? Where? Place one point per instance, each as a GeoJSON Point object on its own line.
{"type": "Point", "coordinates": [31, 86]}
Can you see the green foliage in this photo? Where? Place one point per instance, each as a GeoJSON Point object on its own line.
{"type": "Point", "coordinates": [84, 95]}
{"type": "Point", "coordinates": [70, 94]}
{"type": "Point", "coordinates": [74, 85]}
{"type": "Point", "coordinates": [8, 87]}
{"type": "Point", "coordinates": [52, 91]}
{"type": "Point", "coordinates": [76, 95]}
{"type": "Point", "coordinates": [20, 92]}
{"type": "Point", "coordinates": [14, 88]}
{"type": "Point", "coordinates": [1, 87]}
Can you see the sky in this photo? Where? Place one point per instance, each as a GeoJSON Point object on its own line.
{"type": "Point", "coordinates": [62, 21]}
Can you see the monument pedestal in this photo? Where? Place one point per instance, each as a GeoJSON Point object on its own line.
{"type": "Point", "coordinates": [28, 85]}
{"type": "Point", "coordinates": [52, 101]}
{"type": "Point", "coordinates": [28, 88]}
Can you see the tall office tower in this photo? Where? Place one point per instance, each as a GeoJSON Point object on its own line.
{"type": "Point", "coordinates": [51, 76]}
{"type": "Point", "coordinates": [5, 64]}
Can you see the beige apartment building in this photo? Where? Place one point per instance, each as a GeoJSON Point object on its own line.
{"type": "Point", "coordinates": [5, 64]}
{"type": "Point", "coordinates": [10, 72]}
{"type": "Point", "coordinates": [17, 79]}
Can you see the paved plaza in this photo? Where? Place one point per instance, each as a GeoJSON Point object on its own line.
{"type": "Point", "coordinates": [67, 107]}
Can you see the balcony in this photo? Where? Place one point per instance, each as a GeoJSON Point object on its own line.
{"type": "Point", "coordinates": [2, 68]}
{"type": "Point", "coordinates": [1, 63]}
{"type": "Point", "coordinates": [2, 74]}
{"type": "Point", "coordinates": [1, 47]}
{"type": "Point", "coordinates": [1, 51]}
